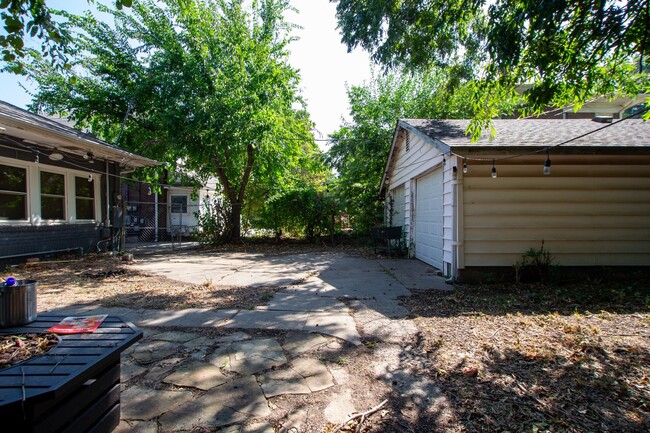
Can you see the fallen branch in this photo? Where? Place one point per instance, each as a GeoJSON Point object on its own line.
{"type": "Point", "coordinates": [362, 415]}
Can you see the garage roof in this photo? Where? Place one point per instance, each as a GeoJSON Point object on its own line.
{"type": "Point", "coordinates": [539, 132]}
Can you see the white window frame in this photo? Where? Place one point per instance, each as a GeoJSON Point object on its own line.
{"type": "Point", "coordinates": [66, 195]}
{"type": "Point", "coordinates": [19, 164]}
{"type": "Point", "coordinates": [34, 193]}
{"type": "Point", "coordinates": [94, 197]}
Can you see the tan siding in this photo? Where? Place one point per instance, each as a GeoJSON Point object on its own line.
{"type": "Point", "coordinates": [586, 215]}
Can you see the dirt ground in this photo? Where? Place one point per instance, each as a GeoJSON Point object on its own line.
{"type": "Point", "coordinates": [570, 358]}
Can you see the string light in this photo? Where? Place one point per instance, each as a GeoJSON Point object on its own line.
{"type": "Point", "coordinates": [464, 165]}
{"type": "Point", "coordinates": [547, 165]}
{"type": "Point", "coordinates": [90, 177]}
{"type": "Point", "coordinates": [37, 160]}
{"type": "Point", "coordinates": [149, 192]}
{"type": "Point", "coordinates": [494, 169]}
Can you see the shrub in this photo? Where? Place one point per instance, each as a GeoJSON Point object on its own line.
{"type": "Point", "coordinates": [535, 266]}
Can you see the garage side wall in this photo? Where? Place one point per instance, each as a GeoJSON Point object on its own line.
{"type": "Point", "coordinates": [588, 214]}
{"type": "Point", "coordinates": [414, 158]}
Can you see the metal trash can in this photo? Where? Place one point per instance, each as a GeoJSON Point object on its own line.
{"type": "Point", "coordinates": [17, 303]}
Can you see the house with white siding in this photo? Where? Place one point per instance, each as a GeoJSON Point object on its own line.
{"type": "Point", "coordinates": [580, 186]}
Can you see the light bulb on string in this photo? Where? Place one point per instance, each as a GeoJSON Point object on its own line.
{"type": "Point", "coordinates": [37, 159]}
{"type": "Point", "coordinates": [464, 165]}
{"type": "Point", "coordinates": [547, 165]}
{"type": "Point", "coordinates": [494, 169]}
{"type": "Point", "coordinates": [90, 177]}
{"type": "Point", "coordinates": [149, 191]}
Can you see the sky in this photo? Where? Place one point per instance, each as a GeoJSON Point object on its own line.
{"type": "Point", "coordinates": [325, 65]}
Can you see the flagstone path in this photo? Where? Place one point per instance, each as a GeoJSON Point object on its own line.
{"type": "Point", "coordinates": [181, 379]}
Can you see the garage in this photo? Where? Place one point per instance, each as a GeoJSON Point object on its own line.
{"type": "Point", "coordinates": [428, 218]}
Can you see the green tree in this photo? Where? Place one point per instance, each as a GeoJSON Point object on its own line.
{"type": "Point", "coordinates": [203, 83]}
{"type": "Point", "coordinates": [360, 147]}
{"type": "Point", "coordinates": [33, 18]}
{"type": "Point", "coordinates": [569, 50]}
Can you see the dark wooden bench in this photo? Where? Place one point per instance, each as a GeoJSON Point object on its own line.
{"type": "Point", "coordinates": [383, 238]}
{"type": "Point", "coordinates": [73, 388]}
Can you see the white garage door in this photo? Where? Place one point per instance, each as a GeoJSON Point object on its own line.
{"type": "Point", "coordinates": [428, 219]}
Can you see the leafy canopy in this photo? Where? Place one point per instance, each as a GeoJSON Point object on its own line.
{"type": "Point", "coordinates": [33, 18]}
{"type": "Point", "coordinates": [360, 147]}
{"type": "Point", "coordinates": [204, 84]}
{"type": "Point", "coordinates": [569, 50]}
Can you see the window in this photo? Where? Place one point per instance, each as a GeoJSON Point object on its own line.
{"type": "Point", "coordinates": [13, 193]}
{"type": "Point", "coordinates": [84, 198]}
{"type": "Point", "coordinates": [179, 204]}
{"type": "Point", "coordinates": [52, 196]}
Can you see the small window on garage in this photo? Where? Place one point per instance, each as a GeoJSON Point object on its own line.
{"type": "Point", "coordinates": [179, 204]}
{"type": "Point", "coordinates": [84, 192]}
{"type": "Point", "coordinates": [52, 196]}
{"type": "Point", "coordinates": [13, 193]}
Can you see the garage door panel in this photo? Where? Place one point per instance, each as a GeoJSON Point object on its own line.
{"type": "Point", "coordinates": [429, 219]}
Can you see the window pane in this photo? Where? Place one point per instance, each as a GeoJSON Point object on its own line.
{"type": "Point", "coordinates": [52, 183]}
{"type": "Point", "coordinates": [85, 209]}
{"type": "Point", "coordinates": [52, 208]}
{"type": "Point", "coordinates": [83, 188]}
{"type": "Point", "coordinates": [13, 179]}
{"type": "Point", "coordinates": [179, 204]}
{"type": "Point", "coordinates": [13, 207]}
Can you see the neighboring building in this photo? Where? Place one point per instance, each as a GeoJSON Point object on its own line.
{"type": "Point", "coordinates": [153, 216]}
{"type": "Point", "coordinates": [603, 106]}
{"type": "Point", "coordinates": [592, 210]}
{"type": "Point", "coordinates": [58, 186]}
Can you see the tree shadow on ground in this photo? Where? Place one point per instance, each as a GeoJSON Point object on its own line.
{"type": "Point", "coordinates": [534, 358]}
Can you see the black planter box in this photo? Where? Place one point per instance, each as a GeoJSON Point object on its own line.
{"type": "Point", "coordinates": [73, 388]}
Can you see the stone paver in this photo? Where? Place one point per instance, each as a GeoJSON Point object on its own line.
{"type": "Point", "coordinates": [249, 357]}
{"type": "Point", "coordinates": [304, 376]}
{"type": "Point", "coordinates": [340, 407]}
{"type": "Point", "coordinates": [340, 325]}
{"type": "Point", "coordinates": [237, 401]}
{"type": "Point", "coordinates": [279, 382]}
{"type": "Point", "coordinates": [260, 427]}
{"type": "Point", "coordinates": [196, 374]}
{"type": "Point", "coordinates": [162, 368]}
{"type": "Point", "coordinates": [153, 350]}
{"type": "Point", "coordinates": [137, 427]}
{"type": "Point", "coordinates": [316, 375]}
{"type": "Point", "coordinates": [141, 403]}
{"type": "Point", "coordinates": [299, 342]}
{"type": "Point", "coordinates": [177, 337]}
{"type": "Point", "coordinates": [129, 370]}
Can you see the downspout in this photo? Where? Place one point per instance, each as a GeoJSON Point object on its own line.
{"type": "Point", "coordinates": [108, 198]}
{"type": "Point", "coordinates": [155, 218]}
{"type": "Point", "coordinates": [457, 218]}
{"type": "Point", "coordinates": [454, 236]}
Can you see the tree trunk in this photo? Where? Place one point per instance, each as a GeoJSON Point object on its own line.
{"type": "Point", "coordinates": [235, 221]}
{"type": "Point", "coordinates": [235, 197]}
